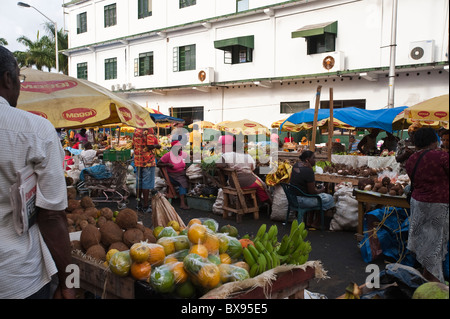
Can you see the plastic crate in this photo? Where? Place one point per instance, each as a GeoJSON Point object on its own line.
{"type": "Point", "coordinates": [201, 203]}
{"type": "Point", "coordinates": [116, 156]}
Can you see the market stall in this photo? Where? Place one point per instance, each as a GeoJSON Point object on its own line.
{"type": "Point", "coordinates": [196, 260]}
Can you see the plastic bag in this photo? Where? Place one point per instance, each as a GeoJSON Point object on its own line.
{"type": "Point", "coordinates": [218, 204]}
{"type": "Point", "coordinates": [346, 216]}
{"type": "Point", "coordinates": [279, 204]}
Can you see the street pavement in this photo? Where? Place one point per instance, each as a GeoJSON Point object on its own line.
{"type": "Point", "coordinates": [336, 250]}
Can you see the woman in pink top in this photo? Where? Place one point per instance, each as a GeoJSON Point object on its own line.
{"type": "Point", "coordinates": [176, 169]}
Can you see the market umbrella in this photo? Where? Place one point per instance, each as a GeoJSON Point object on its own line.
{"type": "Point", "coordinates": [246, 127]}
{"type": "Point", "coordinates": [434, 109]}
{"type": "Point", "coordinates": [68, 102]}
{"type": "Point", "coordinates": [290, 127]}
{"type": "Point", "coordinates": [202, 124]}
{"type": "Point", "coordinates": [349, 118]}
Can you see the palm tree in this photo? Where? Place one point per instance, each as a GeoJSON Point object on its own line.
{"type": "Point", "coordinates": [41, 53]}
{"type": "Point", "coordinates": [63, 44]}
{"type": "Point", "coordinates": [3, 41]}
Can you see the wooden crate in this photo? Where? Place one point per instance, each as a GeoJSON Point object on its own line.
{"type": "Point", "coordinates": [289, 284]}
{"type": "Point", "coordinates": [100, 281]}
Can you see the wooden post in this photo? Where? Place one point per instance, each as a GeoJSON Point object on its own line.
{"type": "Point", "coordinates": [330, 126]}
{"type": "Point", "coordinates": [316, 115]}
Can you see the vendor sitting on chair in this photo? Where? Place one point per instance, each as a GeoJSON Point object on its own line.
{"type": "Point", "coordinates": [303, 177]}
{"type": "Point", "coordinates": [176, 169]}
{"type": "Point", "coordinates": [244, 165]}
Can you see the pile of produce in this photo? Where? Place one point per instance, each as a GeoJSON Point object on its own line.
{"type": "Point", "coordinates": [264, 252]}
{"type": "Point", "coordinates": [203, 190]}
{"type": "Point", "coordinates": [108, 231]}
{"type": "Point", "coordinates": [383, 186]}
{"type": "Point", "coordinates": [187, 263]}
{"type": "Point", "coordinates": [344, 169]}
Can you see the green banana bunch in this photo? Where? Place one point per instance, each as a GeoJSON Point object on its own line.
{"type": "Point", "coordinates": [293, 248]}
{"type": "Point", "coordinates": [262, 255]}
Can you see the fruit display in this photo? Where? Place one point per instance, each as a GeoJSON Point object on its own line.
{"type": "Point", "coordinates": [293, 248]}
{"type": "Point", "coordinates": [189, 262]}
{"type": "Point", "coordinates": [109, 230]}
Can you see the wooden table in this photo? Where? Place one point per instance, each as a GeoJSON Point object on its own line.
{"type": "Point", "coordinates": [364, 197]}
{"type": "Point", "coordinates": [336, 179]}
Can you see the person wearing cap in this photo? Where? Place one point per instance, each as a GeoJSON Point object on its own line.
{"type": "Point", "coordinates": [406, 147]}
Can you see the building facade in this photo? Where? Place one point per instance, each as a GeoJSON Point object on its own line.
{"type": "Point", "coordinates": [220, 60]}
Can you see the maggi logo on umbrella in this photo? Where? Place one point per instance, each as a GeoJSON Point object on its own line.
{"type": "Point", "coordinates": [79, 114]}
{"type": "Point", "coordinates": [47, 87]}
{"type": "Point", "coordinates": [126, 113]}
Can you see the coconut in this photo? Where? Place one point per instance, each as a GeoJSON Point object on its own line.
{"type": "Point", "coordinates": [148, 235]}
{"type": "Point", "coordinates": [86, 202]}
{"type": "Point", "coordinates": [91, 212]}
{"type": "Point", "coordinates": [383, 190]}
{"type": "Point", "coordinates": [72, 204]}
{"type": "Point", "coordinates": [101, 221]}
{"type": "Point", "coordinates": [110, 233]}
{"type": "Point", "coordinates": [71, 229]}
{"type": "Point", "coordinates": [90, 236]}
{"type": "Point", "coordinates": [83, 223]}
{"type": "Point", "coordinates": [392, 192]}
{"type": "Point", "coordinates": [107, 213]}
{"type": "Point", "coordinates": [78, 211]}
{"type": "Point", "coordinates": [120, 246]}
{"type": "Point", "coordinates": [71, 193]}
{"type": "Point", "coordinates": [386, 181]}
{"type": "Point", "coordinates": [97, 252]}
{"type": "Point", "coordinates": [76, 245]}
{"type": "Point", "coordinates": [132, 236]}
{"type": "Point", "coordinates": [127, 218]}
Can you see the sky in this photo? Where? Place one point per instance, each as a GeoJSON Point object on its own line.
{"type": "Point", "coordinates": [16, 21]}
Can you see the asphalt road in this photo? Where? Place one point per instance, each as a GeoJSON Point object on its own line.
{"type": "Point", "coordinates": [336, 250]}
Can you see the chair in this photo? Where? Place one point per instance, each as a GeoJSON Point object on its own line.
{"type": "Point", "coordinates": [234, 190]}
{"type": "Point", "coordinates": [291, 192]}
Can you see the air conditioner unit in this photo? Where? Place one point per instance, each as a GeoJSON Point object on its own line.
{"type": "Point", "coordinates": [205, 75]}
{"type": "Point", "coordinates": [124, 87]}
{"type": "Point", "coordinates": [113, 87]}
{"type": "Point", "coordinates": [333, 61]}
{"type": "Point", "coordinates": [421, 52]}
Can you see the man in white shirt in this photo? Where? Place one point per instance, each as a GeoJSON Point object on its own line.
{"type": "Point", "coordinates": [28, 262]}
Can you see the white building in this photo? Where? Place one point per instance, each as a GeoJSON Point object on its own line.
{"type": "Point", "coordinates": [259, 59]}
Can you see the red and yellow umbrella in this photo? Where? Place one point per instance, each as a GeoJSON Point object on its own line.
{"type": "Point", "coordinates": [68, 102]}
{"type": "Point", "coordinates": [246, 127]}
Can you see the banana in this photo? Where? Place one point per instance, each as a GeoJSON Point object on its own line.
{"type": "Point", "coordinates": [254, 252]}
{"type": "Point", "coordinates": [294, 226]}
{"type": "Point", "coordinates": [276, 259]}
{"type": "Point", "coordinates": [269, 260]}
{"type": "Point", "coordinates": [253, 270]}
{"type": "Point", "coordinates": [260, 247]}
{"type": "Point", "coordinates": [283, 245]}
{"type": "Point", "coordinates": [301, 226]}
{"type": "Point", "coordinates": [248, 257]}
{"type": "Point", "coordinates": [269, 247]}
{"type": "Point", "coordinates": [304, 233]}
{"type": "Point", "coordinates": [261, 231]}
{"type": "Point", "coordinates": [262, 263]}
{"type": "Point", "coordinates": [273, 231]}
{"type": "Point", "coordinates": [265, 239]}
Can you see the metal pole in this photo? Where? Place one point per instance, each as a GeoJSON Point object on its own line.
{"type": "Point", "coordinates": [393, 53]}
{"type": "Point", "coordinates": [25, 5]}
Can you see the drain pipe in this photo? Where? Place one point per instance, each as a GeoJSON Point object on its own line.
{"type": "Point", "coordinates": [393, 53]}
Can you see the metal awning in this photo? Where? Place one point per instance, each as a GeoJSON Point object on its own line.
{"type": "Point", "coordinates": [246, 41]}
{"type": "Point", "coordinates": [315, 29]}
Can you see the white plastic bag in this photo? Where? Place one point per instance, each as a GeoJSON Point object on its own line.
{"type": "Point", "coordinates": [218, 204]}
{"type": "Point", "coordinates": [346, 216]}
{"type": "Point", "coordinates": [279, 204]}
